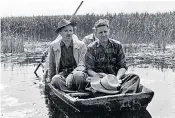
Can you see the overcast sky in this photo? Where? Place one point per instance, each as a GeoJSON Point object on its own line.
{"type": "Point", "coordinates": [67, 7]}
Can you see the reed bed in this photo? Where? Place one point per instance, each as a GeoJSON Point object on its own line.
{"type": "Point", "coordinates": [135, 28]}
{"type": "Point", "coordinates": [12, 44]}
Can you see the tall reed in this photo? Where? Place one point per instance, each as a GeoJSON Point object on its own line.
{"type": "Point", "coordinates": [12, 44]}
{"type": "Point", "coordinates": [158, 28]}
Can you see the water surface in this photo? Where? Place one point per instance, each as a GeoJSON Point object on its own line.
{"type": "Point", "coordinates": [22, 95]}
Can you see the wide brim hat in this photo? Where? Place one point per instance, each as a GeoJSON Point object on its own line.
{"type": "Point", "coordinates": [64, 23]}
{"type": "Point", "coordinates": [108, 84]}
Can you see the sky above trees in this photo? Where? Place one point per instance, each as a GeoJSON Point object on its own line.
{"type": "Point", "coordinates": [67, 7]}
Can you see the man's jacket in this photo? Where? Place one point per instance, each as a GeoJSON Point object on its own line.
{"type": "Point", "coordinates": [79, 50]}
{"type": "Point", "coordinates": [89, 39]}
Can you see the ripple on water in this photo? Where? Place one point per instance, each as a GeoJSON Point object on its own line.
{"type": "Point", "coordinates": [10, 101]}
{"type": "Point", "coordinates": [20, 113]}
{"type": "Point", "coordinates": [2, 87]}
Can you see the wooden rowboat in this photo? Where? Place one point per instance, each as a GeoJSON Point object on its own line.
{"type": "Point", "coordinates": [84, 102]}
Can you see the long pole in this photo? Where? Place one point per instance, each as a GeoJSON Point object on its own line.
{"type": "Point", "coordinates": [76, 10]}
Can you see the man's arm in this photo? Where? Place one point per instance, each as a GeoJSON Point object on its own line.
{"type": "Point", "coordinates": [85, 40]}
{"type": "Point", "coordinates": [91, 72]}
{"type": "Point", "coordinates": [51, 63]}
{"type": "Point", "coordinates": [121, 63]}
{"type": "Point", "coordinates": [81, 65]}
{"type": "Point", "coordinates": [90, 63]}
{"type": "Point", "coordinates": [120, 73]}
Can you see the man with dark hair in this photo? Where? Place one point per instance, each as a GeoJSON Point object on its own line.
{"type": "Point", "coordinates": [65, 59]}
{"type": "Point", "coordinates": [105, 56]}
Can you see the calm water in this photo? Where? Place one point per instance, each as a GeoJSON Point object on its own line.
{"type": "Point", "coordinates": [22, 95]}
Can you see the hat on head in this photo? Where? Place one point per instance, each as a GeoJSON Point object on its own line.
{"type": "Point", "coordinates": [64, 23]}
{"type": "Point", "coordinates": [101, 22]}
{"type": "Point", "coordinates": [108, 84]}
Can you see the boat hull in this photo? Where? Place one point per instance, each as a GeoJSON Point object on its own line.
{"type": "Point", "coordinates": [136, 101]}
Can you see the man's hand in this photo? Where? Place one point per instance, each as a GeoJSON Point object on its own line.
{"type": "Point", "coordinates": [99, 75]}
{"type": "Point", "coordinates": [80, 68]}
{"type": "Point", "coordinates": [48, 80]}
{"type": "Point", "coordinates": [69, 80]}
{"type": "Point", "coordinates": [119, 80]}
{"type": "Point", "coordinates": [102, 74]}
{"type": "Point", "coordinates": [120, 73]}
{"type": "Point", "coordinates": [88, 79]}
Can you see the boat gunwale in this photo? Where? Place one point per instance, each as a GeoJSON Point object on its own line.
{"type": "Point", "coordinates": [77, 103]}
{"type": "Point", "coordinates": [73, 99]}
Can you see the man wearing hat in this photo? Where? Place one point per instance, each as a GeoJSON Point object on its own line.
{"type": "Point", "coordinates": [90, 38]}
{"type": "Point", "coordinates": [105, 56]}
{"type": "Point", "coordinates": [65, 59]}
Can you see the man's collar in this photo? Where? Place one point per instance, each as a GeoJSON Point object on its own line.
{"type": "Point", "coordinates": [99, 43]}
{"type": "Point", "coordinates": [63, 44]}
{"type": "Point", "coordinates": [57, 43]}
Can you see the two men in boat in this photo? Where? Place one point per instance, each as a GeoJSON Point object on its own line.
{"type": "Point", "coordinates": [72, 65]}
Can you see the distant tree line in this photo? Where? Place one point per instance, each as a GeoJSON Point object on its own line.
{"type": "Point", "coordinates": [127, 28]}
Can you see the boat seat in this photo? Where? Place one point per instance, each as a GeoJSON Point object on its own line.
{"type": "Point", "coordinates": [81, 94]}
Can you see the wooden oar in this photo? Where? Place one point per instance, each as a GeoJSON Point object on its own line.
{"type": "Point", "coordinates": [42, 60]}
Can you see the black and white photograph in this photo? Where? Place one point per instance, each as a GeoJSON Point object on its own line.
{"type": "Point", "coordinates": [87, 59]}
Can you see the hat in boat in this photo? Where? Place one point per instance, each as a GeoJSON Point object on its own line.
{"type": "Point", "coordinates": [108, 84]}
{"type": "Point", "coordinates": [64, 23]}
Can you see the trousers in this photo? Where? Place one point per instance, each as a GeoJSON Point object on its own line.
{"type": "Point", "coordinates": [78, 81]}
